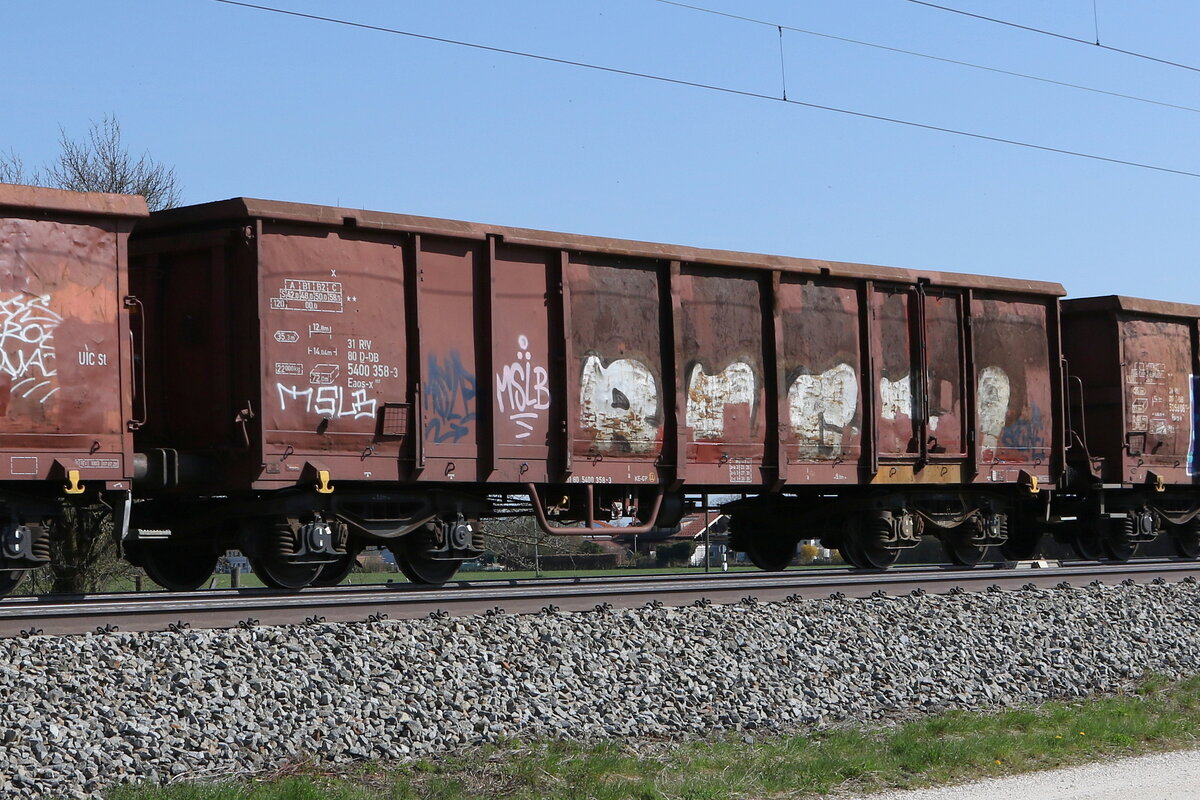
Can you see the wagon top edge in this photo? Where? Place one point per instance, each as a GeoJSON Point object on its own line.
{"type": "Point", "coordinates": [40, 198]}
{"type": "Point", "coordinates": [242, 208]}
{"type": "Point", "coordinates": [1136, 305]}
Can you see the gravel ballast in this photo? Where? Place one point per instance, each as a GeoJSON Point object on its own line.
{"type": "Point", "coordinates": [81, 713]}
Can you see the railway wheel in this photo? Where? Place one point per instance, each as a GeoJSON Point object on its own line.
{"type": "Point", "coordinates": [768, 552]}
{"type": "Point", "coordinates": [1118, 538]}
{"type": "Point", "coordinates": [1186, 538]}
{"type": "Point", "coordinates": [867, 544]}
{"type": "Point", "coordinates": [1021, 545]}
{"type": "Point", "coordinates": [850, 553]}
{"type": "Point", "coordinates": [266, 555]}
{"type": "Point", "coordinates": [418, 565]}
{"type": "Point", "coordinates": [334, 573]}
{"type": "Point", "coordinates": [177, 567]}
{"type": "Point", "coordinates": [1085, 540]}
{"type": "Point", "coordinates": [960, 548]}
{"type": "Point", "coordinates": [10, 579]}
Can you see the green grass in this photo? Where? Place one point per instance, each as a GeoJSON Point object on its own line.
{"type": "Point", "coordinates": [946, 748]}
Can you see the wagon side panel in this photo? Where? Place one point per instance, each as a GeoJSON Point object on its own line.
{"type": "Point", "coordinates": [1015, 407]}
{"type": "Point", "coordinates": [821, 371]}
{"type": "Point", "coordinates": [333, 370]}
{"type": "Point", "coordinates": [1156, 367]}
{"type": "Point", "coordinates": [65, 378]}
{"type": "Point", "coordinates": [615, 386]}
{"type": "Point", "coordinates": [526, 352]}
{"type": "Point", "coordinates": [722, 374]}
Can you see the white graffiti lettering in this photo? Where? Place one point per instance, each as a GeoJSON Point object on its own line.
{"type": "Point", "coordinates": [619, 404]}
{"type": "Point", "coordinates": [896, 398]}
{"type": "Point", "coordinates": [327, 401]}
{"type": "Point", "coordinates": [821, 406]}
{"type": "Point", "coordinates": [27, 326]}
{"type": "Point", "coordinates": [992, 401]}
{"type": "Point", "coordinates": [522, 389]}
{"type": "Point", "coordinates": [709, 395]}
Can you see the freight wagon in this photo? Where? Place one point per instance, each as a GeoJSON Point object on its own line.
{"type": "Point", "coordinates": [318, 379]}
{"type": "Point", "coordinates": [1133, 366]}
{"type": "Point", "coordinates": [65, 363]}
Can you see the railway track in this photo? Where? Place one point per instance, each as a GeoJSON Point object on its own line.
{"type": "Point", "coordinates": [227, 608]}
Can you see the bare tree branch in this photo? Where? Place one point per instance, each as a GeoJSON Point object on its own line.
{"type": "Point", "coordinates": [100, 163]}
{"type": "Point", "coordinates": [12, 170]}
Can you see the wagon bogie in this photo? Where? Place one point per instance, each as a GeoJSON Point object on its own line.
{"type": "Point", "coordinates": [25, 544]}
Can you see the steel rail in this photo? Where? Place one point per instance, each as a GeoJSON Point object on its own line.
{"type": "Point", "coordinates": [227, 608]}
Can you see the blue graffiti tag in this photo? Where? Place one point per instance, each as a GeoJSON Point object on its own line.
{"type": "Point", "coordinates": [1024, 434]}
{"type": "Point", "coordinates": [449, 398]}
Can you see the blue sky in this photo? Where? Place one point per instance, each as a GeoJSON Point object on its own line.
{"type": "Point", "coordinates": [245, 102]}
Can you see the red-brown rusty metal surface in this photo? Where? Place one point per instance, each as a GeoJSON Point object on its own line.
{"type": "Point", "coordinates": [330, 304]}
{"type": "Point", "coordinates": [200, 315]}
{"type": "Point", "coordinates": [451, 382]}
{"type": "Point", "coordinates": [65, 378]}
{"type": "Point", "coordinates": [822, 378]}
{"type": "Point", "coordinates": [1136, 305]}
{"type": "Point", "coordinates": [615, 372]}
{"type": "Point", "coordinates": [58, 203]}
{"type": "Point", "coordinates": [331, 216]}
{"type": "Point", "coordinates": [1135, 360]}
{"type": "Point", "coordinates": [1015, 409]}
{"type": "Point", "coordinates": [1091, 347]}
{"type": "Point", "coordinates": [722, 374]}
{"type": "Point", "coordinates": [521, 356]}
{"type": "Point", "coordinates": [945, 421]}
{"type": "Point", "coordinates": [524, 356]}
{"type": "Point", "coordinates": [1156, 360]}
{"type": "Point", "coordinates": [894, 334]}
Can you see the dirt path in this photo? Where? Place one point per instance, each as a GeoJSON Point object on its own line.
{"type": "Point", "coordinates": [1166, 776]}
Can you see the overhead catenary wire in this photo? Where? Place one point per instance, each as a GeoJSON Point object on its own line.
{"type": "Point", "coordinates": [929, 56]}
{"type": "Point", "coordinates": [710, 87]}
{"type": "Point", "coordinates": [1056, 35]}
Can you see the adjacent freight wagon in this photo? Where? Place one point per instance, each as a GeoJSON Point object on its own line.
{"type": "Point", "coordinates": [1133, 366]}
{"type": "Point", "coordinates": [65, 362]}
{"type": "Point", "coordinates": [315, 379]}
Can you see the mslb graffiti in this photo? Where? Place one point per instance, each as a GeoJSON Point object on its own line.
{"type": "Point", "coordinates": [523, 390]}
{"type": "Point", "coordinates": [27, 326]}
{"type": "Point", "coordinates": [332, 402]}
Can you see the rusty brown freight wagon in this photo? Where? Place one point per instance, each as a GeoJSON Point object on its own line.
{"type": "Point", "coordinates": [339, 377]}
{"type": "Point", "coordinates": [66, 377]}
{"type": "Point", "coordinates": [1133, 366]}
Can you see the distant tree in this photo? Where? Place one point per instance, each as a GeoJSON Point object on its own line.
{"type": "Point", "coordinates": [100, 162]}
{"type": "Point", "coordinates": [517, 542]}
{"type": "Point", "coordinates": [83, 554]}
{"type": "Point", "coordinates": [675, 554]}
